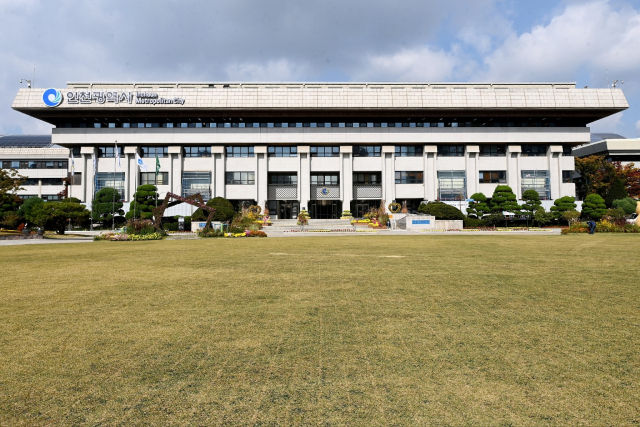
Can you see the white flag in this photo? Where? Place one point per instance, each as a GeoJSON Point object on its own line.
{"type": "Point", "coordinates": [73, 164]}
{"type": "Point", "coordinates": [143, 165]}
{"type": "Point", "coordinates": [118, 157]}
{"type": "Point", "coordinates": [95, 165]}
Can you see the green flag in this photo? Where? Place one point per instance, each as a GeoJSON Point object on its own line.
{"type": "Point", "coordinates": [157, 164]}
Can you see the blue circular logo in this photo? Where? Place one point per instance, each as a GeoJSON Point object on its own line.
{"type": "Point", "coordinates": [52, 97]}
{"type": "Point", "coordinates": [325, 191]}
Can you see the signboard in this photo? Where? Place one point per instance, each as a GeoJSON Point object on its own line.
{"type": "Point", "coordinates": [420, 221]}
{"type": "Point", "coordinates": [53, 98]}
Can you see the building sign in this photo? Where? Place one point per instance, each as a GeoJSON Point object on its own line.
{"type": "Point", "coordinates": [325, 191]}
{"type": "Point", "coordinates": [115, 97]}
{"type": "Point", "coordinates": [420, 221]}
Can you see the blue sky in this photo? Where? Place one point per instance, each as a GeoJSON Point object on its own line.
{"type": "Point", "coordinates": [333, 40]}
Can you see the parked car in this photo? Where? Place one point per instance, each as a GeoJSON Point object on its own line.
{"type": "Point", "coordinates": [632, 218]}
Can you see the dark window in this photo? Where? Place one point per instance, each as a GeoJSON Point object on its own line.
{"type": "Point", "coordinates": [153, 151]}
{"type": "Point", "coordinates": [278, 151]}
{"type": "Point", "coordinates": [240, 178]}
{"type": "Point", "coordinates": [366, 150]}
{"type": "Point", "coordinates": [77, 178]}
{"type": "Point", "coordinates": [534, 150]}
{"type": "Point", "coordinates": [409, 177]}
{"type": "Point", "coordinates": [493, 177]}
{"type": "Point", "coordinates": [197, 151]}
{"type": "Point", "coordinates": [566, 150]}
{"type": "Point", "coordinates": [325, 179]}
{"type": "Point", "coordinates": [109, 151]}
{"type": "Point", "coordinates": [283, 179]}
{"type": "Point", "coordinates": [367, 178]}
{"type": "Point", "coordinates": [409, 150]}
{"type": "Point", "coordinates": [150, 178]}
{"type": "Point", "coordinates": [325, 151]}
{"type": "Point", "coordinates": [76, 151]}
{"type": "Point", "coordinates": [34, 164]}
{"type": "Point", "coordinates": [492, 150]}
{"type": "Point", "coordinates": [451, 150]}
{"type": "Point", "coordinates": [567, 176]}
{"type": "Point", "coordinates": [233, 151]}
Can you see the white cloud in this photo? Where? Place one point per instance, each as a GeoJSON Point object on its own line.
{"type": "Point", "coordinates": [420, 64]}
{"type": "Point", "coordinates": [280, 70]}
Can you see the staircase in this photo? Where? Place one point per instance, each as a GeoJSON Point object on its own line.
{"type": "Point", "coordinates": [314, 224]}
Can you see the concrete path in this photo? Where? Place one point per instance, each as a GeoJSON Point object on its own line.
{"type": "Point", "coordinates": [43, 241]}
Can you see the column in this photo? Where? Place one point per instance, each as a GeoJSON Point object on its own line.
{"type": "Point", "coordinates": [262, 180]}
{"type": "Point", "coordinates": [473, 151]}
{"type": "Point", "coordinates": [132, 177]}
{"type": "Point", "coordinates": [304, 156]}
{"type": "Point", "coordinates": [513, 169]}
{"type": "Point", "coordinates": [388, 177]}
{"type": "Point", "coordinates": [346, 176]}
{"type": "Point", "coordinates": [217, 174]}
{"type": "Point", "coordinates": [430, 172]}
{"type": "Point", "coordinates": [88, 179]}
{"type": "Point", "coordinates": [555, 171]}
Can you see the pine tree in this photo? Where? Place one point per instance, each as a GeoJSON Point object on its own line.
{"type": "Point", "coordinates": [617, 191]}
{"type": "Point", "coordinates": [561, 205]}
{"type": "Point", "coordinates": [593, 207]}
{"type": "Point", "coordinates": [144, 201]}
{"type": "Point", "coordinates": [504, 200]}
{"type": "Point", "coordinates": [479, 207]}
{"type": "Point", "coordinates": [531, 202]}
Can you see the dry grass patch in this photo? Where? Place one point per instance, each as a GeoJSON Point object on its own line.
{"type": "Point", "coordinates": [453, 330]}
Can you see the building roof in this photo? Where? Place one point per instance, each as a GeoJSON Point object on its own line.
{"type": "Point", "coordinates": [26, 141]}
{"type": "Point", "coordinates": [595, 137]}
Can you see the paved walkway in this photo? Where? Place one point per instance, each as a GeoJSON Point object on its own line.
{"type": "Point", "coordinates": [43, 241]}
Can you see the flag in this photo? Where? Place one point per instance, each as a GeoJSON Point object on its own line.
{"type": "Point", "coordinates": [73, 164]}
{"type": "Point", "coordinates": [118, 157]}
{"type": "Point", "coordinates": [157, 164]}
{"type": "Point", "coordinates": [95, 172]}
{"type": "Point", "coordinates": [143, 166]}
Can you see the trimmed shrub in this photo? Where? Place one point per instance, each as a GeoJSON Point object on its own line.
{"type": "Point", "coordinates": [140, 227]}
{"type": "Point", "coordinates": [627, 204]}
{"type": "Point", "coordinates": [593, 207]}
{"type": "Point", "coordinates": [144, 202]}
{"type": "Point", "coordinates": [479, 207]}
{"type": "Point", "coordinates": [474, 223]}
{"type": "Point", "coordinates": [562, 205]}
{"type": "Point", "coordinates": [504, 200]}
{"type": "Point", "coordinates": [224, 210]}
{"type": "Point", "coordinates": [494, 218]}
{"type": "Point", "coordinates": [171, 226]}
{"type": "Point", "coordinates": [617, 191]}
{"type": "Point", "coordinates": [532, 202]}
{"type": "Point", "coordinates": [441, 211]}
{"type": "Point", "coordinates": [106, 204]}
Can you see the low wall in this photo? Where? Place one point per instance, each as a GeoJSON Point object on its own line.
{"type": "Point", "coordinates": [426, 222]}
{"type": "Point", "coordinates": [448, 225]}
{"type": "Point", "coordinates": [20, 236]}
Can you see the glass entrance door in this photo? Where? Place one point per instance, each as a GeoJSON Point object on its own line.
{"type": "Point", "coordinates": [288, 209]}
{"type": "Point", "coordinates": [325, 209]}
{"type": "Point", "coordinates": [361, 209]}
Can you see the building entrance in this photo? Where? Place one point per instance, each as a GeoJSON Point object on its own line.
{"type": "Point", "coordinates": [325, 209]}
{"type": "Point", "coordinates": [361, 207]}
{"type": "Point", "coordinates": [284, 209]}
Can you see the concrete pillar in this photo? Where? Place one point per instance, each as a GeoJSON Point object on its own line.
{"type": "Point", "coordinates": [430, 172]}
{"type": "Point", "coordinates": [132, 177]}
{"type": "Point", "coordinates": [262, 180]}
{"type": "Point", "coordinates": [513, 169]}
{"type": "Point", "coordinates": [346, 176]}
{"type": "Point", "coordinates": [304, 177]}
{"type": "Point", "coordinates": [218, 173]}
{"type": "Point", "coordinates": [88, 180]}
{"type": "Point", "coordinates": [473, 151]}
{"type": "Point", "coordinates": [555, 170]}
{"type": "Point", "coordinates": [388, 173]}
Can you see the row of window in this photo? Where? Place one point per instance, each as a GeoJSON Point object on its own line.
{"type": "Point", "coordinates": [334, 151]}
{"type": "Point", "coordinates": [481, 122]}
{"type": "Point", "coordinates": [35, 164]}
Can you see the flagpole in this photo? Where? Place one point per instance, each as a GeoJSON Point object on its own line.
{"type": "Point", "coordinates": [113, 197]}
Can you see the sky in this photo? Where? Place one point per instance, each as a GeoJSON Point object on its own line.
{"type": "Point", "coordinates": [592, 43]}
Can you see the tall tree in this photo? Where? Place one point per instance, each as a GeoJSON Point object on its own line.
{"type": "Point", "coordinates": [56, 215]}
{"type": "Point", "coordinates": [617, 191]}
{"type": "Point", "coordinates": [532, 202]}
{"type": "Point", "coordinates": [10, 183]}
{"type": "Point", "coordinates": [504, 200]}
{"type": "Point", "coordinates": [597, 175]}
{"type": "Point", "coordinates": [144, 201]}
{"type": "Point", "coordinates": [106, 205]}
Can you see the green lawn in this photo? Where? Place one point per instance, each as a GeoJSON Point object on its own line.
{"type": "Point", "coordinates": [363, 330]}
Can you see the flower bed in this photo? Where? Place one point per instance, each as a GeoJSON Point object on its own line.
{"type": "Point", "coordinates": [123, 237]}
{"type": "Point", "coordinates": [603, 226]}
{"type": "Point", "coordinates": [256, 233]}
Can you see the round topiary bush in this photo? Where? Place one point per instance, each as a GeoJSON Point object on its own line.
{"type": "Point", "coordinates": [593, 207]}
{"type": "Point", "coordinates": [224, 210]}
{"type": "Point", "coordinates": [441, 211]}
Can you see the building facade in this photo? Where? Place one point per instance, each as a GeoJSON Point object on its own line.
{"type": "Point", "coordinates": [325, 147]}
{"type": "Point", "coordinates": [612, 146]}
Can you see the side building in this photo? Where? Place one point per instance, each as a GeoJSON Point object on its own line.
{"type": "Point", "coordinates": [325, 147]}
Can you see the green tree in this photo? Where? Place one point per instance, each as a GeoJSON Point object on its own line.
{"type": "Point", "coordinates": [106, 204]}
{"type": "Point", "coordinates": [494, 218]}
{"type": "Point", "coordinates": [224, 210]}
{"type": "Point", "coordinates": [571, 216]}
{"type": "Point", "coordinates": [531, 202]}
{"type": "Point", "coordinates": [627, 204]}
{"type": "Point", "coordinates": [25, 209]}
{"type": "Point", "coordinates": [542, 217]}
{"type": "Point", "coordinates": [561, 205]}
{"type": "Point", "coordinates": [617, 191]}
{"type": "Point", "coordinates": [504, 200]}
{"type": "Point", "coordinates": [56, 215]}
{"type": "Point", "coordinates": [10, 183]}
{"type": "Point", "coordinates": [144, 202]}
{"type": "Point", "coordinates": [593, 207]}
{"type": "Point", "coordinates": [479, 207]}
{"type": "Point", "coordinates": [441, 211]}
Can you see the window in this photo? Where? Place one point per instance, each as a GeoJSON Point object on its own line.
{"type": "Point", "coordinates": [492, 150]}
{"type": "Point", "coordinates": [367, 178]}
{"type": "Point", "coordinates": [197, 152]}
{"type": "Point", "coordinates": [240, 178]}
{"type": "Point", "coordinates": [196, 183]}
{"type": "Point", "coordinates": [325, 151]}
{"type": "Point", "coordinates": [493, 177]}
{"type": "Point", "coordinates": [566, 150]}
{"type": "Point", "coordinates": [153, 151]}
{"type": "Point", "coordinates": [323, 179]}
{"type": "Point", "coordinates": [534, 150]}
{"type": "Point", "coordinates": [77, 178]}
{"type": "Point", "coordinates": [567, 176]}
{"type": "Point", "coordinates": [50, 197]}
{"type": "Point", "coordinates": [283, 179]}
{"type": "Point", "coordinates": [239, 151]}
{"type": "Point", "coordinates": [450, 150]}
{"type": "Point", "coordinates": [110, 179]}
{"type": "Point", "coordinates": [409, 177]}
{"type": "Point", "coordinates": [109, 151]}
{"type": "Point", "coordinates": [539, 181]}
{"type": "Point", "coordinates": [52, 181]}
{"type": "Point", "coordinates": [409, 150]}
{"type": "Point", "coordinates": [366, 150]}
{"type": "Point", "coordinates": [283, 151]}
{"type": "Point", "coordinates": [452, 185]}
{"type": "Point", "coordinates": [150, 178]}
{"type": "Point", "coordinates": [76, 151]}
{"type": "Point", "coordinates": [34, 164]}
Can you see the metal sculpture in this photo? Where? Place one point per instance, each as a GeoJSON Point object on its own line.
{"type": "Point", "coordinates": [194, 200]}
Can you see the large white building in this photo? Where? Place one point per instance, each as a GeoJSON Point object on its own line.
{"type": "Point", "coordinates": [323, 146]}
